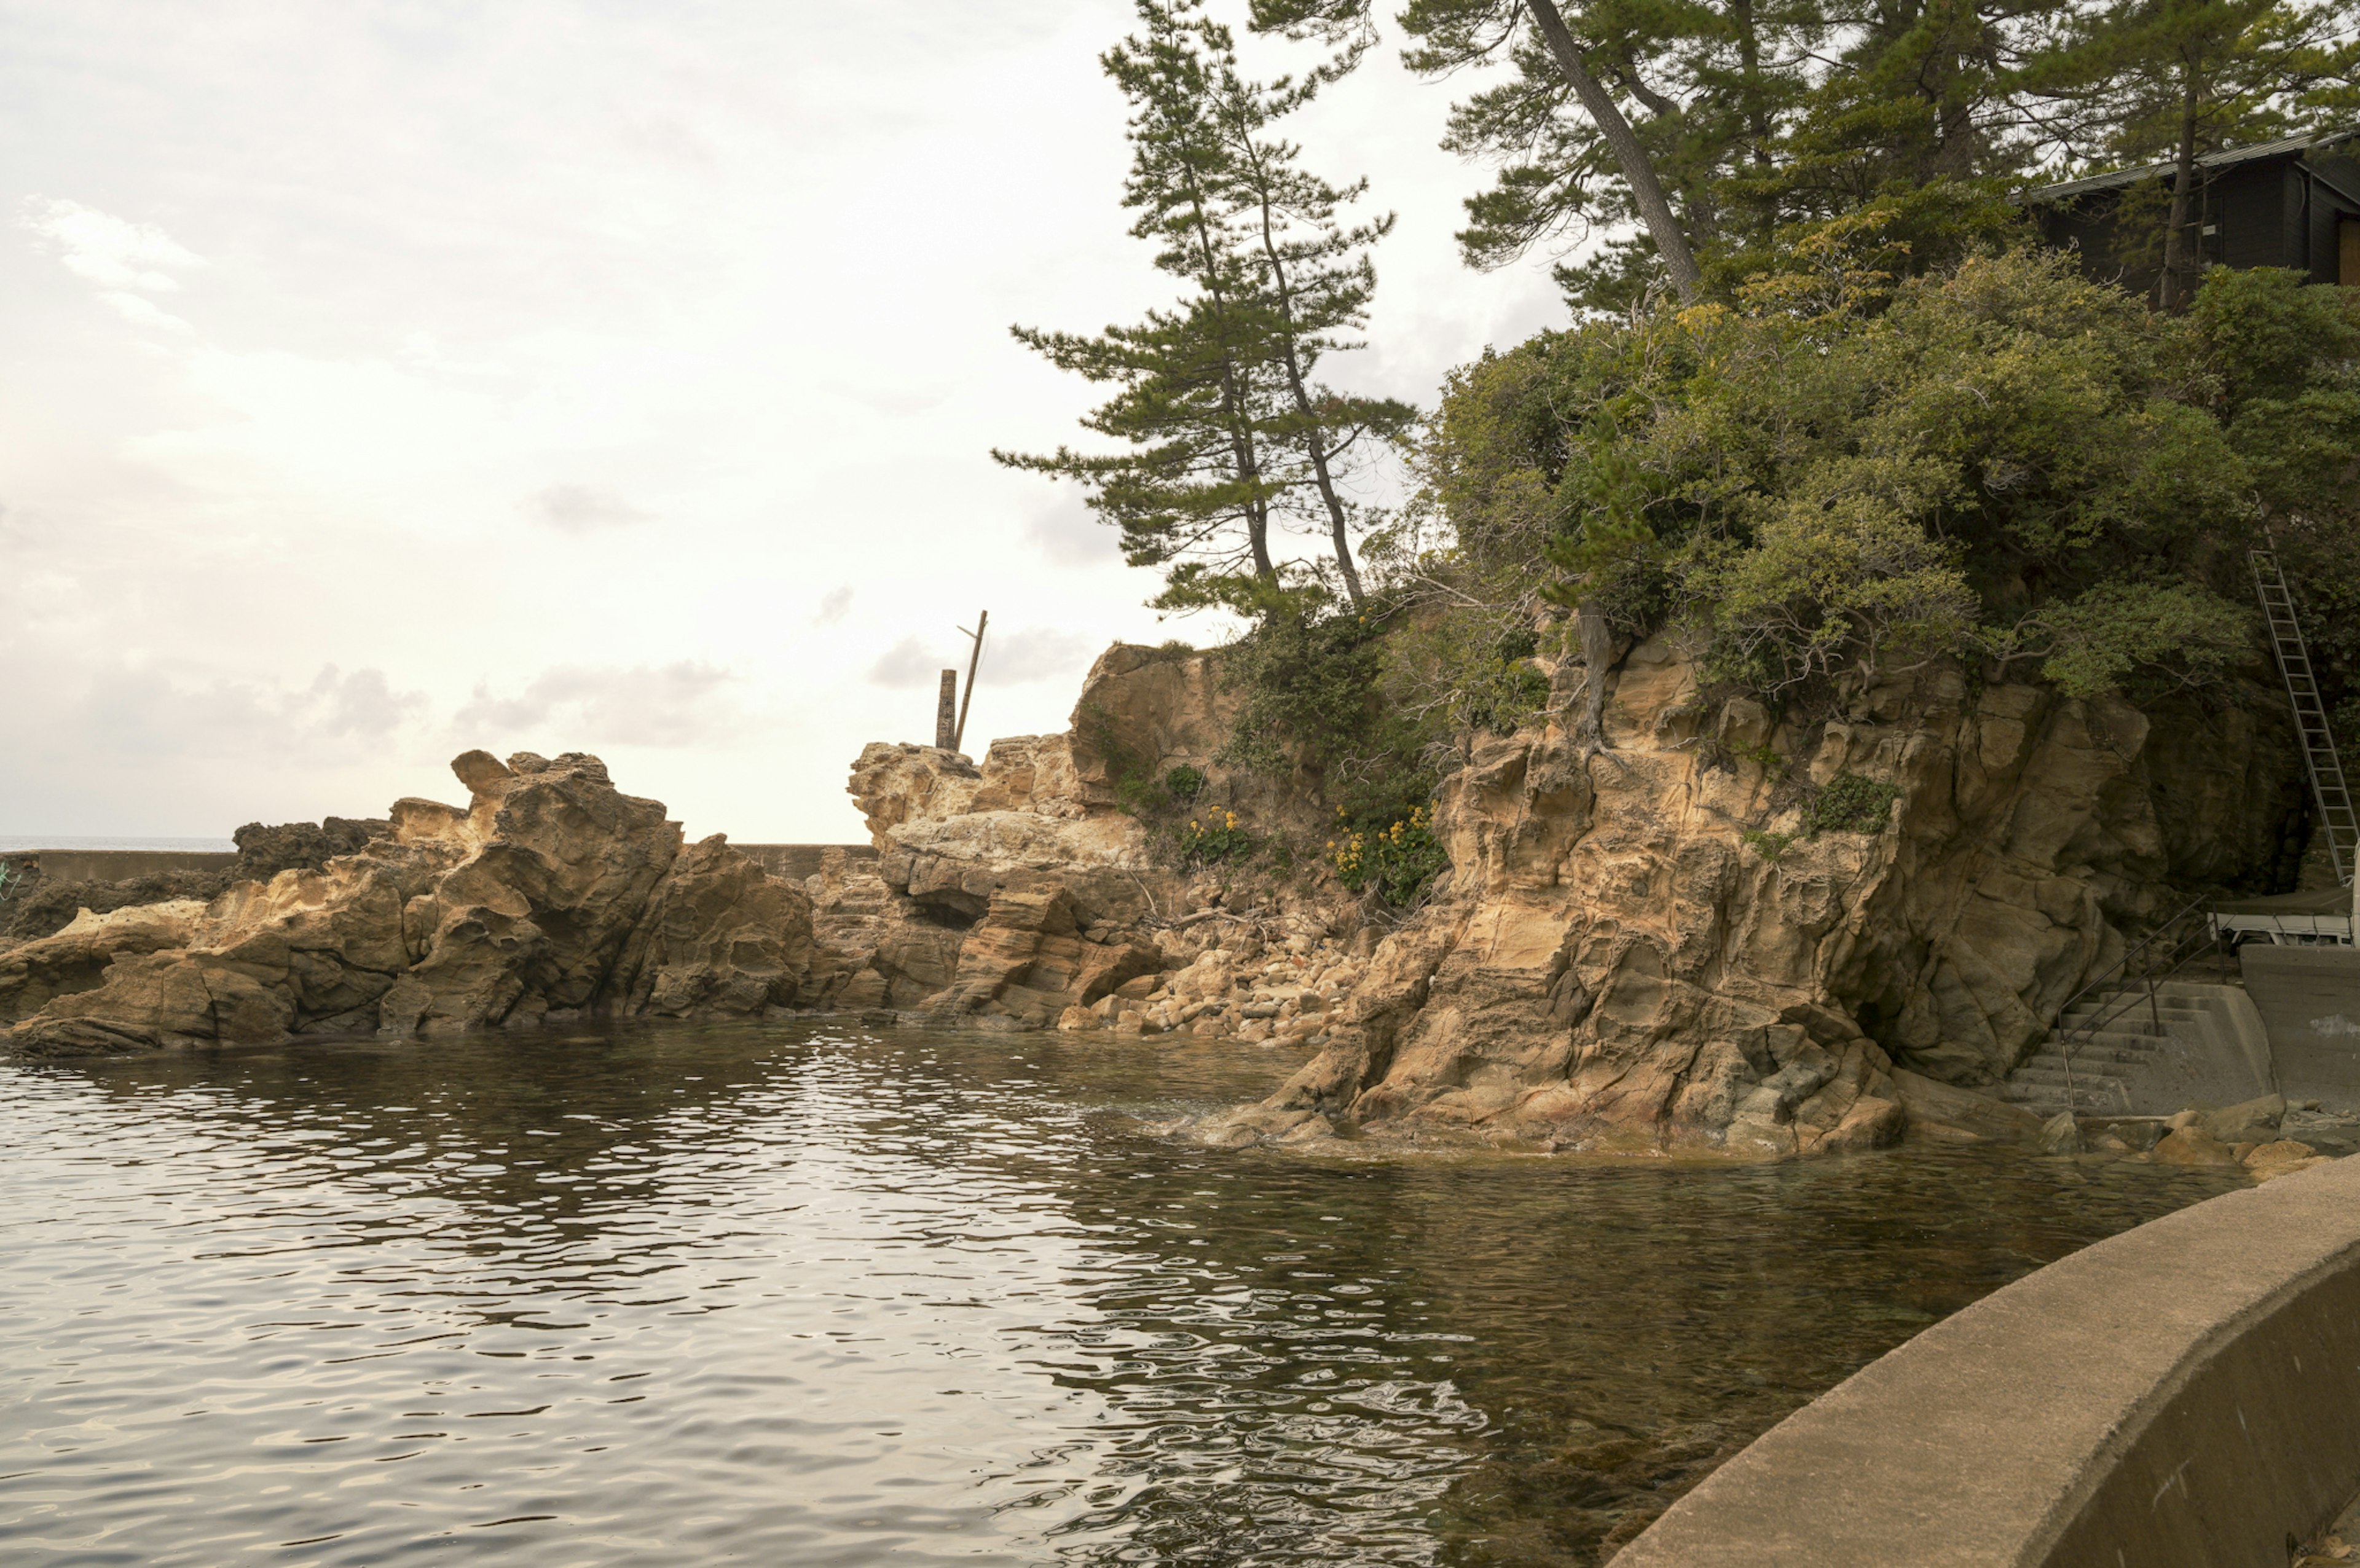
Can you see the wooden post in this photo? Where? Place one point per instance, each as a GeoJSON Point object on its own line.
{"type": "Point", "coordinates": [946, 713]}
{"type": "Point", "coordinates": [958, 735]}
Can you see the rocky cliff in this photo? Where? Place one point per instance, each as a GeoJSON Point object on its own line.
{"type": "Point", "coordinates": [1668, 924]}
{"type": "Point", "coordinates": [1658, 940]}
{"type": "Point", "coordinates": [1679, 926]}
{"type": "Point", "coordinates": [550, 894]}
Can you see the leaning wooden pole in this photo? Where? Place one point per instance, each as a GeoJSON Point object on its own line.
{"type": "Point", "coordinates": [946, 713]}
{"type": "Point", "coordinates": [974, 657]}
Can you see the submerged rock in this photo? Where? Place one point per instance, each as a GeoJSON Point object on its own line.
{"type": "Point", "coordinates": [549, 894]}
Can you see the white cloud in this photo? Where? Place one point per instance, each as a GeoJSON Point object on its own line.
{"type": "Point", "coordinates": [579, 509]}
{"type": "Point", "coordinates": [151, 710]}
{"type": "Point", "coordinates": [1069, 533]}
{"type": "Point", "coordinates": [909, 663]}
{"type": "Point", "coordinates": [571, 706]}
{"type": "Point", "coordinates": [140, 311]}
{"type": "Point", "coordinates": [480, 292]}
{"type": "Point", "coordinates": [1037, 653]}
{"type": "Point", "coordinates": [111, 252]}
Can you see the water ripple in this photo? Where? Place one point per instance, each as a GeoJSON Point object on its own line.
{"type": "Point", "coordinates": [809, 1295]}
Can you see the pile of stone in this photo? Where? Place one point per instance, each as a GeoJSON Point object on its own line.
{"type": "Point", "coordinates": [2258, 1134]}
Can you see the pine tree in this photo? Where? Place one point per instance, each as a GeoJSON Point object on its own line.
{"type": "Point", "coordinates": [1194, 401]}
{"type": "Point", "coordinates": [1553, 59]}
{"type": "Point", "coordinates": [1315, 283]}
{"type": "Point", "coordinates": [1228, 429]}
{"type": "Point", "coordinates": [2171, 81]}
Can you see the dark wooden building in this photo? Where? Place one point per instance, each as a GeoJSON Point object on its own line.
{"type": "Point", "coordinates": [2292, 203]}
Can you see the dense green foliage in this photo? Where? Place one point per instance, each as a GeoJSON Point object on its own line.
{"type": "Point", "coordinates": [1850, 803]}
{"type": "Point", "coordinates": [1878, 427]}
{"type": "Point", "coordinates": [1763, 120]}
{"type": "Point", "coordinates": [1837, 481]}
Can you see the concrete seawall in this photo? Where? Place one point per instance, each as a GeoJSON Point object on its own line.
{"type": "Point", "coordinates": [795, 860]}
{"type": "Point", "coordinates": [2310, 999]}
{"type": "Point", "coordinates": [2185, 1395]}
{"type": "Point", "coordinates": [120, 864]}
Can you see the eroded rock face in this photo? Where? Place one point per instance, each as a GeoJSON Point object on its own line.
{"type": "Point", "coordinates": [1009, 891]}
{"type": "Point", "coordinates": [551, 894]}
{"type": "Point", "coordinates": [1640, 944]}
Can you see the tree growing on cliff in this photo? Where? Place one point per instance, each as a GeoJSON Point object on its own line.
{"type": "Point", "coordinates": [1552, 165]}
{"type": "Point", "coordinates": [1229, 429]}
{"type": "Point", "coordinates": [2006, 463]}
{"type": "Point", "coordinates": [2132, 82]}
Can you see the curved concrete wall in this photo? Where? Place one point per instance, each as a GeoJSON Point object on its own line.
{"type": "Point", "coordinates": [2184, 1395]}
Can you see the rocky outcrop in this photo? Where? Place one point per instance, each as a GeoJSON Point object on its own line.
{"type": "Point", "coordinates": [1009, 891]}
{"type": "Point", "coordinates": [1646, 943]}
{"type": "Point", "coordinates": [550, 894]}
{"type": "Point", "coordinates": [38, 905]}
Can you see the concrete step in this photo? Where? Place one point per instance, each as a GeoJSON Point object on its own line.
{"type": "Point", "coordinates": [2087, 1100]}
{"type": "Point", "coordinates": [2043, 1078]}
{"type": "Point", "coordinates": [2096, 1052]}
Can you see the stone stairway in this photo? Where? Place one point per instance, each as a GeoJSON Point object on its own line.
{"type": "Point", "coordinates": [2197, 1044]}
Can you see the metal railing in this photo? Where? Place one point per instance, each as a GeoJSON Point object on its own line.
{"type": "Point", "coordinates": [2160, 955]}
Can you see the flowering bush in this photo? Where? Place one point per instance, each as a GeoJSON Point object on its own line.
{"type": "Point", "coordinates": [1399, 860]}
{"type": "Point", "coordinates": [1209, 841]}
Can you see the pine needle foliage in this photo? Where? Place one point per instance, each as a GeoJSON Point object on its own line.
{"type": "Point", "coordinates": [1227, 432]}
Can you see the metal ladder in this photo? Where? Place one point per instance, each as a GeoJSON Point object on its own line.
{"type": "Point", "coordinates": [2327, 786]}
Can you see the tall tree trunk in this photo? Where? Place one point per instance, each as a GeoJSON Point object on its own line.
{"type": "Point", "coordinates": [1597, 650]}
{"type": "Point", "coordinates": [1314, 447]}
{"type": "Point", "coordinates": [1235, 404]}
{"type": "Point", "coordinates": [1647, 191]}
{"type": "Point", "coordinates": [2176, 262]}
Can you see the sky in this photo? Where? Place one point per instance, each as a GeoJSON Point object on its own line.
{"type": "Point", "coordinates": [380, 381]}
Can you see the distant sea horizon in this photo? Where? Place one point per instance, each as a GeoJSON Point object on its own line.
{"type": "Point", "coordinates": [10, 842]}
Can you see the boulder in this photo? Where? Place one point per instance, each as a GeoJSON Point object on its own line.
{"type": "Point", "coordinates": [550, 893]}
{"type": "Point", "coordinates": [2192, 1145]}
{"type": "Point", "coordinates": [2251, 1121]}
{"type": "Point", "coordinates": [720, 939]}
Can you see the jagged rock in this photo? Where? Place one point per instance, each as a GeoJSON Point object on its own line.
{"type": "Point", "coordinates": [2060, 1135]}
{"type": "Point", "coordinates": [33, 973]}
{"type": "Point", "coordinates": [524, 904]}
{"type": "Point", "coordinates": [40, 906]}
{"type": "Point", "coordinates": [263, 852]}
{"type": "Point", "coordinates": [1013, 891]}
{"type": "Point", "coordinates": [719, 938]}
{"type": "Point", "coordinates": [1636, 936]}
{"type": "Point", "coordinates": [2250, 1121]}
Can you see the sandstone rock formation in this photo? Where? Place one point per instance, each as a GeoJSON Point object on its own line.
{"type": "Point", "coordinates": [1009, 892]}
{"type": "Point", "coordinates": [39, 905]}
{"type": "Point", "coordinates": [549, 896]}
{"type": "Point", "coordinates": [1641, 944]}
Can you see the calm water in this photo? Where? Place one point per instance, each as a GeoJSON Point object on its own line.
{"type": "Point", "coordinates": [813, 1297]}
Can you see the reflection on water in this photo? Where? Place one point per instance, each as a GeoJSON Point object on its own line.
{"type": "Point", "coordinates": [818, 1296]}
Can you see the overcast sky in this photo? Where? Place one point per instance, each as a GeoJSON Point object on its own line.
{"type": "Point", "coordinates": [379, 381]}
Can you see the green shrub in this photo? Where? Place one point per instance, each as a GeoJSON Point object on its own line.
{"type": "Point", "coordinates": [1215, 840]}
{"type": "Point", "coordinates": [2003, 462]}
{"type": "Point", "coordinates": [1400, 859]}
{"type": "Point", "coordinates": [1183, 783]}
{"type": "Point", "coordinates": [1850, 803]}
